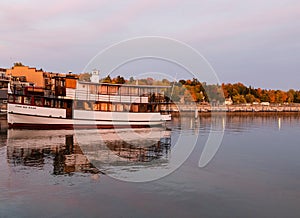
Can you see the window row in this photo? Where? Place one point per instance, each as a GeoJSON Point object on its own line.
{"type": "Point", "coordinates": [82, 105]}
{"type": "Point", "coordinates": [108, 106]}
{"type": "Point", "coordinates": [39, 101]}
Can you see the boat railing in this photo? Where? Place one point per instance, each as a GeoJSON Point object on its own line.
{"type": "Point", "coordinates": [115, 98]}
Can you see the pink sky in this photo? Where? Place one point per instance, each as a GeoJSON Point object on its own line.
{"type": "Point", "coordinates": [242, 40]}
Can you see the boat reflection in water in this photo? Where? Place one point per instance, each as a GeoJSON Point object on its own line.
{"type": "Point", "coordinates": [71, 151]}
{"type": "Point", "coordinates": [39, 148]}
{"type": "Point", "coordinates": [127, 154]}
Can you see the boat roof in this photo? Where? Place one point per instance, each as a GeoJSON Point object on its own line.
{"type": "Point", "coordinates": [125, 85]}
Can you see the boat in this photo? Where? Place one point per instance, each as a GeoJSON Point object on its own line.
{"type": "Point", "coordinates": [67, 103]}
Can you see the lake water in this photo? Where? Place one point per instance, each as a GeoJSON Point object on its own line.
{"type": "Point", "coordinates": [255, 172]}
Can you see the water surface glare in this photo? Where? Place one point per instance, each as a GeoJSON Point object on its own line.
{"type": "Point", "coordinates": [255, 173]}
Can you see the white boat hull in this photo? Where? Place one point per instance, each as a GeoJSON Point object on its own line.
{"type": "Point", "coordinates": [41, 117]}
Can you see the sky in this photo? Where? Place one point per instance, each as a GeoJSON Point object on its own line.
{"type": "Point", "coordinates": [254, 42]}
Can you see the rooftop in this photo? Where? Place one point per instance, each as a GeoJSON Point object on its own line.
{"type": "Point", "coordinates": [126, 85]}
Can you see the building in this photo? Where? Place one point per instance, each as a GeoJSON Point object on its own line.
{"type": "Point", "coordinates": [4, 80]}
{"type": "Point", "coordinates": [228, 101]}
{"type": "Point", "coordinates": [95, 76]}
{"type": "Point", "coordinates": [27, 74]}
{"type": "Point", "coordinates": [265, 103]}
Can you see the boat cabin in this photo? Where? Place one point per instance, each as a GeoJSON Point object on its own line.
{"type": "Point", "coordinates": [69, 93]}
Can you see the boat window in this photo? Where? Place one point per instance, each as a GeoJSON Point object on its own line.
{"type": "Point", "coordinates": [103, 90]}
{"type": "Point", "coordinates": [103, 107]}
{"type": "Point", "coordinates": [120, 107]}
{"type": "Point", "coordinates": [18, 99]}
{"type": "Point", "coordinates": [47, 102]}
{"type": "Point", "coordinates": [78, 105]}
{"type": "Point", "coordinates": [126, 107]}
{"type": "Point", "coordinates": [109, 106]}
{"type": "Point", "coordinates": [10, 99]}
{"type": "Point", "coordinates": [38, 101]}
{"type": "Point", "coordinates": [27, 100]}
{"type": "Point", "coordinates": [134, 91]}
{"type": "Point", "coordinates": [142, 91]}
{"type": "Point", "coordinates": [64, 104]}
{"type": "Point", "coordinates": [112, 90]}
{"type": "Point", "coordinates": [124, 90]}
{"type": "Point", "coordinates": [87, 106]}
{"type": "Point", "coordinates": [143, 108]}
{"type": "Point", "coordinates": [57, 103]}
{"type": "Point", "coordinates": [96, 106]}
{"type": "Point", "coordinates": [62, 83]}
{"type": "Point", "coordinates": [135, 108]}
{"type": "Point", "coordinates": [53, 103]}
{"type": "Point", "coordinates": [113, 107]}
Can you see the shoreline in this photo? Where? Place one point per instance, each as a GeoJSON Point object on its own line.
{"type": "Point", "coordinates": [237, 114]}
{"type": "Point", "coordinates": [193, 108]}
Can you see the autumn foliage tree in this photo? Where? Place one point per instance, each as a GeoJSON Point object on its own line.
{"type": "Point", "coordinates": [196, 91]}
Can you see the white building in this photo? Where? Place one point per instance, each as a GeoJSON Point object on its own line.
{"type": "Point", "coordinates": [95, 76]}
{"type": "Point", "coordinates": [228, 101]}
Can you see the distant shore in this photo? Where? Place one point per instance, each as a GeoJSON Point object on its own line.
{"type": "Point", "coordinates": [295, 108]}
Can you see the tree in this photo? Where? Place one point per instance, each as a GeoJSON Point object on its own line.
{"type": "Point", "coordinates": [118, 80]}
{"type": "Point", "coordinates": [297, 97]}
{"type": "Point", "coordinates": [290, 96]}
{"type": "Point", "coordinates": [106, 79]}
{"type": "Point", "coordinates": [250, 98]}
{"type": "Point", "coordinates": [165, 82]}
{"type": "Point", "coordinates": [85, 77]}
{"type": "Point", "coordinates": [195, 82]}
{"type": "Point", "coordinates": [226, 94]}
{"type": "Point", "coordinates": [188, 98]}
{"type": "Point", "coordinates": [18, 64]}
{"type": "Point", "coordinates": [239, 99]}
{"type": "Point", "coordinates": [182, 81]}
{"type": "Point", "coordinates": [265, 97]}
{"type": "Point", "coordinates": [131, 79]}
{"type": "Point", "coordinates": [280, 96]}
{"type": "Point", "coordinates": [149, 81]}
{"type": "Point", "coordinates": [272, 96]}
